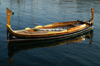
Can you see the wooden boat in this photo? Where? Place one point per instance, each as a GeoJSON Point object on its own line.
{"type": "Point", "coordinates": [47, 32]}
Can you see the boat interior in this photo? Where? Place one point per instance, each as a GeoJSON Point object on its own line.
{"type": "Point", "coordinates": [49, 28]}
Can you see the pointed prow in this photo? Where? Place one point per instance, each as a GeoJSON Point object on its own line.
{"type": "Point", "coordinates": [92, 12]}
{"type": "Point", "coordinates": [8, 16]}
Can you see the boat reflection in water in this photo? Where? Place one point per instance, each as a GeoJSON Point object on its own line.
{"type": "Point", "coordinates": [14, 48]}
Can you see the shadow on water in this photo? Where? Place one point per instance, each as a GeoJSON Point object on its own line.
{"type": "Point", "coordinates": [14, 48]}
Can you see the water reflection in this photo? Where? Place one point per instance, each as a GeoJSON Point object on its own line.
{"type": "Point", "coordinates": [35, 12]}
{"type": "Point", "coordinates": [0, 1]}
{"type": "Point", "coordinates": [14, 48]}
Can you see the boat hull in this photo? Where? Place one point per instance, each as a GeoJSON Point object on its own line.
{"type": "Point", "coordinates": [33, 39]}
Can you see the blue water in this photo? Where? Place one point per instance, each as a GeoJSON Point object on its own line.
{"type": "Point", "coordinates": [30, 13]}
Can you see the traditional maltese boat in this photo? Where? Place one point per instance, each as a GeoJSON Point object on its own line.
{"type": "Point", "coordinates": [49, 32]}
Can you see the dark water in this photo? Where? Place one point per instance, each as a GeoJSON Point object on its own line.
{"type": "Point", "coordinates": [83, 50]}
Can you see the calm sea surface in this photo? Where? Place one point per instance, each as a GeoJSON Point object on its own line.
{"type": "Point", "coordinates": [83, 50]}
